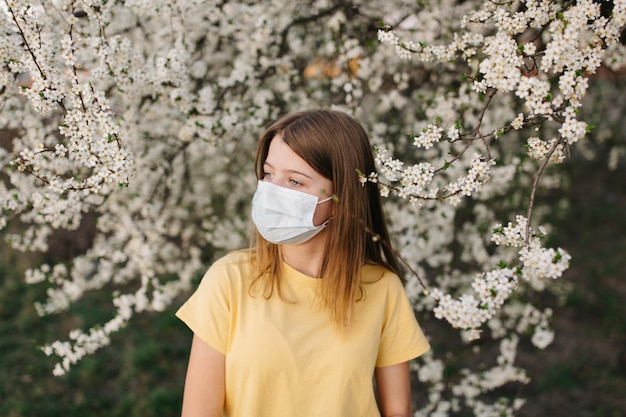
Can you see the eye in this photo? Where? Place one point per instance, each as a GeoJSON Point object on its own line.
{"type": "Point", "coordinates": [267, 176]}
{"type": "Point", "coordinates": [294, 183]}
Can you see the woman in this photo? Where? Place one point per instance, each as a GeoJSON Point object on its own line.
{"type": "Point", "coordinates": [298, 325]}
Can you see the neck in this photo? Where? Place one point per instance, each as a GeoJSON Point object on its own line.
{"type": "Point", "coordinates": [306, 257]}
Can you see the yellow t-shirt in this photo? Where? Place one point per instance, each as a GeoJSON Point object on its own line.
{"type": "Point", "coordinates": [285, 357]}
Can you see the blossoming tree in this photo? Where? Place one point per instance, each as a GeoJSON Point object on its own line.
{"type": "Point", "coordinates": [146, 114]}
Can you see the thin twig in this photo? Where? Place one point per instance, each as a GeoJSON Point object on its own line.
{"type": "Point", "coordinates": [490, 97]}
{"type": "Point", "coordinates": [30, 51]}
{"type": "Point", "coordinates": [533, 192]}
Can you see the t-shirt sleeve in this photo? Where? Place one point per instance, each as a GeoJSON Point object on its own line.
{"type": "Point", "coordinates": [207, 311]}
{"type": "Point", "coordinates": [402, 338]}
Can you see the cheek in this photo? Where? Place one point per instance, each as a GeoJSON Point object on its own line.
{"type": "Point", "coordinates": [322, 213]}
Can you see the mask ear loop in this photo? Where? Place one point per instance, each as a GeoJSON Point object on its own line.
{"type": "Point", "coordinates": [332, 197]}
{"type": "Point", "coordinates": [325, 200]}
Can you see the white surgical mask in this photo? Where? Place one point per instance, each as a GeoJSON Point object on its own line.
{"type": "Point", "coordinates": [284, 216]}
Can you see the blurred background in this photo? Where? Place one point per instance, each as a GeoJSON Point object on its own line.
{"type": "Point", "coordinates": [583, 372]}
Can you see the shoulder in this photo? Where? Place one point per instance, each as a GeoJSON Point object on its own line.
{"type": "Point", "coordinates": [233, 268]}
{"type": "Point", "coordinates": [236, 259]}
{"type": "Point", "coordinates": [380, 277]}
{"type": "Point", "coordinates": [380, 282]}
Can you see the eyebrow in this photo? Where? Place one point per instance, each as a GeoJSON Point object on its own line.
{"type": "Point", "coordinates": [293, 171]}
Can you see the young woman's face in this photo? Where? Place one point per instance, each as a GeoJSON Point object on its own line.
{"type": "Point", "coordinates": [285, 168]}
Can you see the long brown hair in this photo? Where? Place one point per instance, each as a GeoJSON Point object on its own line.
{"type": "Point", "coordinates": [337, 147]}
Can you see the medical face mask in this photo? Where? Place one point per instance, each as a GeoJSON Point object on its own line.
{"type": "Point", "coordinates": [284, 216]}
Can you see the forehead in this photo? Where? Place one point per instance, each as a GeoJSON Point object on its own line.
{"type": "Point", "coordinates": [281, 156]}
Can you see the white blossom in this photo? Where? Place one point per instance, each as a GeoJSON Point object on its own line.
{"type": "Point", "coordinates": [151, 124]}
